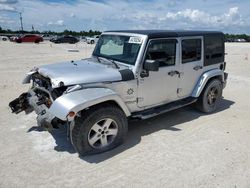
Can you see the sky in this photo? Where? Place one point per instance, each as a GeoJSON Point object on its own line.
{"type": "Point", "coordinates": [229, 16]}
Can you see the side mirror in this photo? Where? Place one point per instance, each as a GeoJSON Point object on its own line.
{"type": "Point", "coordinates": [151, 65]}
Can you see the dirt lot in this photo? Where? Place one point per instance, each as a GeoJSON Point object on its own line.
{"type": "Point", "coordinates": [183, 148]}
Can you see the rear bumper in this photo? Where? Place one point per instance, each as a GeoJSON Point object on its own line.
{"type": "Point", "coordinates": [225, 79]}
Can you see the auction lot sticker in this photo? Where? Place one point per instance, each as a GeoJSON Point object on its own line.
{"type": "Point", "coordinates": [135, 40]}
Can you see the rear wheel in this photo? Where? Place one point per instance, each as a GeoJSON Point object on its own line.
{"type": "Point", "coordinates": [99, 129]}
{"type": "Point", "coordinates": [210, 97]}
{"type": "Point", "coordinates": [92, 42]}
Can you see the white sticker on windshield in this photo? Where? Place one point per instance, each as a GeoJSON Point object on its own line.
{"type": "Point", "coordinates": [135, 40]}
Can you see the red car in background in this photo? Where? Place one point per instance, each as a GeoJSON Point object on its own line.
{"type": "Point", "coordinates": [29, 38]}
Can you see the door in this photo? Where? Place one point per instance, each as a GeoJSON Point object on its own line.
{"type": "Point", "coordinates": [29, 38]}
{"type": "Point", "coordinates": [191, 64]}
{"type": "Point", "coordinates": [66, 39]}
{"type": "Point", "coordinates": [161, 86]}
{"type": "Point", "coordinates": [25, 38]}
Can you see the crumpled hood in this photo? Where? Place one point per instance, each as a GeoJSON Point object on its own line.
{"type": "Point", "coordinates": [79, 72]}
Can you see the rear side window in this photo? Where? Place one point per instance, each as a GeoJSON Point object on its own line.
{"type": "Point", "coordinates": [163, 51]}
{"type": "Point", "coordinates": [191, 50]}
{"type": "Point", "coordinates": [214, 49]}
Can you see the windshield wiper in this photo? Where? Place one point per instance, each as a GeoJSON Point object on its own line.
{"type": "Point", "coordinates": [109, 60]}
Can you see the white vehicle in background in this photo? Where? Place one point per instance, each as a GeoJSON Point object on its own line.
{"type": "Point", "coordinates": [92, 40]}
{"type": "Point", "coordinates": [83, 38]}
{"type": "Point", "coordinates": [14, 38]}
{"type": "Point", "coordinates": [4, 38]}
{"type": "Point", "coordinates": [47, 36]}
{"type": "Point", "coordinates": [239, 40]}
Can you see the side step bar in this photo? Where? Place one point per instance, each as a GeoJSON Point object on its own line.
{"type": "Point", "coordinates": [148, 113]}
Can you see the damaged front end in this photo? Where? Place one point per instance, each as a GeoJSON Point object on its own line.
{"type": "Point", "coordinates": [39, 98]}
{"type": "Point", "coordinates": [21, 104]}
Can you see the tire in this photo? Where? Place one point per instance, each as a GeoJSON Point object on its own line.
{"type": "Point", "coordinates": [37, 41]}
{"type": "Point", "coordinates": [210, 97]}
{"type": "Point", "coordinates": [92, 42]}
{"type": "Point", "coordinates": [88, 135]}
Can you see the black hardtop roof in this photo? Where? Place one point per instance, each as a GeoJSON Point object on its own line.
{"type": "Point", "coordinates": [169, 33]}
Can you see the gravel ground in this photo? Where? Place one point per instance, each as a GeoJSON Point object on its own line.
{"type": "Point", "coordinates": [183, 148]}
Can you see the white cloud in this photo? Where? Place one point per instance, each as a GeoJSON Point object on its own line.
{"type": "Point", "coordinates": [8, 1]}
{"type": "Point", "coordinates": [6, 7]}
{"type": "Point", "coordinates": [56, 23]}
{"type": "Point", "coordinates": [159, 14]}
{"type": "Point", "coordinates": [4, 20]}
{"type": "Point", "coordinates": [60, 22]}
{"type": "Point", "coordinates": [72, 15]}
{"type": "Point", "coordinates": [192, 18]}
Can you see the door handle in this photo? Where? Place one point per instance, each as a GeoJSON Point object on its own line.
{"type": "Point", "coordinates": [172, 73]}
{"type": "Point", "coordinates": [198, 67]}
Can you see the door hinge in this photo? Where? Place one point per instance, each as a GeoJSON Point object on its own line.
{"type": "Point", "coordinates": [179, 90]}
{"type": "Point", "coordinates": [140, 99]}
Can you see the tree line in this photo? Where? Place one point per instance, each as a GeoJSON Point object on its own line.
{"type": "Point", "coordinates": [92, 33]}
{"type": "Point", "coordinates": [65, 32]}
{"type": "Point", "coordinates": [237, 36]}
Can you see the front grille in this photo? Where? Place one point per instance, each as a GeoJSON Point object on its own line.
{"type": "Point", "coordinates": [43, 82]}
{"type": "Point", "coordinates": [43, 97]}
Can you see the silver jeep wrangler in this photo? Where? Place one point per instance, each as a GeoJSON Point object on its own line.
{"type": "Point", "coordinates": [131, 75]}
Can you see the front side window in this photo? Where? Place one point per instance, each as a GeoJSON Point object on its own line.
{"type": "Point", "coordinates": [119, 48]}
{"type": "Point", "coordinates": [191, 50]}
{"type": "Point", "coordinates": [163, 51]}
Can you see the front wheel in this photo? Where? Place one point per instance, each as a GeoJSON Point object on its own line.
{"type": "Point", "coordinates": [210, 97]}
{"type": "Point", "coordinates": [99, 129]}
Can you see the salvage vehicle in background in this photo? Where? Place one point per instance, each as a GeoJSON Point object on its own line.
{"type": "Point", "coordinates": [4, 38]}
{"type": "Point", "coordinates": [131, 75]}
{"type": "Point", "coordinates": [65, 39]}
{"type": "Point", "coordinates": [47, 36]}
{"type": "Point", "coordinates": [29, 38]}
{"type": "Point", "coordinates": [83, 38]}
{"type": "Point", "coordinates": [92, 40]}
{"type": "Point", "coordinates": [14, 37]}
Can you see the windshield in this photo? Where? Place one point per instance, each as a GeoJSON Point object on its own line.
{"type": "Point", "coordinates": [119, 48]}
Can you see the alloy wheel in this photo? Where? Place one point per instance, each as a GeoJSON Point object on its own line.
{"type": "Point", "coordinates": [212, 95]}
{"type": "Point", "coordinates": [102, 133]}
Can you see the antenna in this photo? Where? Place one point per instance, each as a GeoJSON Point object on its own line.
{"type": "Point", "coordinates": [21, 20]}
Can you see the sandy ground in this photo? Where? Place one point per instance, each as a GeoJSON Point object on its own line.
{"type": "Point", "coordinates": [183, 148]}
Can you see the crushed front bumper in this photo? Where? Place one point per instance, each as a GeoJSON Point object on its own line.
{"type": "Point", "coordinates": [29, 102]}
{"type": "Point", "coordinates": [20, 104]}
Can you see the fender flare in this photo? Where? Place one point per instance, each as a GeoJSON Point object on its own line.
{"type": "Point", "coordinates": [82, 99]}
{"type": "Point", "coordinates": [204, 79]}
